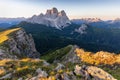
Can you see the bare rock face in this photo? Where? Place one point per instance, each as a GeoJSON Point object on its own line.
{"type": "Point", "coordinates": [54, 10]}
{"type": "Point", "coordinates": [7, 76]}
{"type": "Point", "coordinates": [5, 54]}
{"type": "Point", "coordinates": [82, 29]}
{"type": "Point", "coordinates": [19, 45]}
{"type": "Point", "coordinates": [62, 13]}
{"type": "Point", "coordinates": [59, 66]}
{"type": "Point", "coordinates": [71, 56]}
{"type": "Point", "coordinates": [41, 73]}
{"type": "Point", "coordinates": [92, 73]}
{"type": "Point", "coordinates": [66, 76]}
{"type": "Point", "coordinates": [52, 18]}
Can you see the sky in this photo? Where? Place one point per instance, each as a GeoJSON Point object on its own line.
{"type": "Point", "coordinates": [75, 9]}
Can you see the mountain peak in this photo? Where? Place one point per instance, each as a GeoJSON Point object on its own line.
{"type": "Point", "coordinates": [54, 10]}
{"type": "Point", "coordinates": [116, 20]}
{"type": "Point", "coordinates": [62, 13]}
{"type": "Point", "coordinates": [52, 18]}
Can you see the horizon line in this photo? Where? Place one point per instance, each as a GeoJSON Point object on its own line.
{"type": "Point", "coordinates": [71, 18]}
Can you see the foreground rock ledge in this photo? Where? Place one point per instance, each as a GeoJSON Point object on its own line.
{"type": "Point", "coordinates": [92, 73]}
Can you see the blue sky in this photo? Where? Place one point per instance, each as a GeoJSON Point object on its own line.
{"type": "Point", "coordinates": [104, 9]}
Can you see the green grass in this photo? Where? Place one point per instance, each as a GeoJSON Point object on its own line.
{"type": "Point", "coordinates": [57, 54]}
{"type": "Point", "coordinates": [114, 72]}
{"type": "Point", "coordinates": [19, 68]}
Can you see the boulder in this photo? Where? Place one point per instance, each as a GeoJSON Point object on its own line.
{"type": "Point", "coordinates": [41, 73]}
{"type": "Point", "coordinates": [45, 63]}
{"type": "Point", "coordinates": [92, 72]}
{"type": "Point", "coordinates": [59, 66]}
{"type": "Point", "coordinates": [7, 76]}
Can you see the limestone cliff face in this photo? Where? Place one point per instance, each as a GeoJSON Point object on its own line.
{"type": "Point", "coordinates": [52, 18]}
{"type": "Point", "coordinates": [18, 45]}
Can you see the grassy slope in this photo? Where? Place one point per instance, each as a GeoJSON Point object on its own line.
{"type": "Point", "coordinates": [57, 54]}
{"type": "Point", "coordinates": [26, 67]}
{"type": "Point", "coordinates": [4, 34]}
{"type": "Point", "coordinates": [23, 68]}
{"type": "Point", "coordinates": [114, 72]}
{"type": "Point", "coordinates": [105, 60]}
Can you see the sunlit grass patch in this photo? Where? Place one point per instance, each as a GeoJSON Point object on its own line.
{"type": "Point", "coordinates": [4, 34]}
{"type": "Point", "coordinates": [97, 58]}
{"type": "Point", "coordinates": [2, 72]}
{"type": "Point", "coordinates": [22, 68]}
{"type": "Point", "coordinates": [4, 61]}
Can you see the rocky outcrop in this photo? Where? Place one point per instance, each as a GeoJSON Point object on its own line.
{"type": "Point", "coordinates": [82, 29]}
{"type": "Point", "coordinates": [66, 76]}
{"type": "Point", "coordinates": [92, 73]}
{"type": "Point", "coordinates": [18, 45]}
{"type": "Point", "coordinates": [7, 76]}
{"type": "Point", "coordinates": [41, 73]}
{"type": "Point", "coordinates": [5, 54]}
{"type": "Point", "coordinates": [71, 56]}
{"type": "Point", "coordinates": [51, 18]}
{"type": "Point", "coordinates": [59, 66]}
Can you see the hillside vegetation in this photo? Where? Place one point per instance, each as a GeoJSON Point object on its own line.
{"type": "Point", "coordinates": [95, 39]}
{"type": "Point", "coordinates": [98, 57]}
{"type": "Point", "coordinates": [4, 34]}
{"type": "Point", "coordinates": [23, 67]}
{"type": "Point", "coordinates": [47, 38]}
{"type": "Point", "coordinates": [56, 54]}
{"type": "Point", "coordinates": [27, 68]}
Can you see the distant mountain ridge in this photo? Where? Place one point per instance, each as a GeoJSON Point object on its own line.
{"type": "Point", "coordinates": [96, 22]}
{"type": "Point", "coordinates": [52, 18]}
{"type": "Point", "coordinates": [86, 20]}
{"type": "Point", "coordinates": [8, 22]}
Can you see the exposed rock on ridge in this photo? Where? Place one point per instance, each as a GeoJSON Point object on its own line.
{"type": "Point", "coordinates": [51, 18]}
{"type": "Point", "coordinates": [92, 73]}
{"type": "Point", "coordinates": [18, 45]}
{"type": "Point", "coordinates": [71, 56]}
{"type": "Point", "coordinates": [82, 29]}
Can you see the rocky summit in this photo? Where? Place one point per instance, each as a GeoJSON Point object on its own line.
{"type": "Point", "coordinates": [51, 18]}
